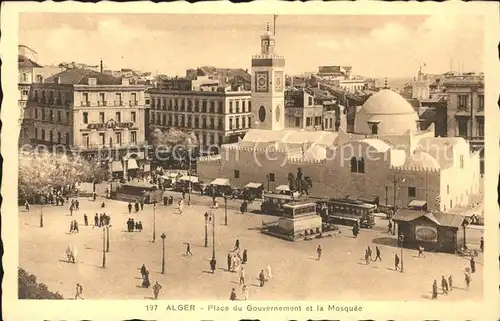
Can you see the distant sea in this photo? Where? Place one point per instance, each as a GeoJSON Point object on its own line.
{"type": "Point", "coordinates": [395, 83]}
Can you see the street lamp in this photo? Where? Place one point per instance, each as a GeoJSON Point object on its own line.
{"type": "Point", "coordinates": [154, 221]}
{"type": "Point", "coordinates": [401, 239]}
{"type": "Point", "coordinates": [41, 211]}
{"type": "Point", "coordinates": [163, 236]}
{"type": "Point", "coordinates": [103, 247]}
{"type": "Point", "coordinates": [225, 209]}
{"type": "Point", "coordinates": [213, 261]}
{"type": "Point", "coordinates": [107, 238]}
{"type": "Point", "coordinates": [206, 229]}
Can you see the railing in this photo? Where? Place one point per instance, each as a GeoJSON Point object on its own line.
{"type": "Point", "coordinates": [102, 103]}
{"type": "Point", "coordinates": [85, 103]}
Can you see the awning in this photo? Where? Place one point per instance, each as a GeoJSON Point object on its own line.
{"type": "Point", "coordinates": [132, 164]}
{"type": "Point", "coordinates": [193, 179]}
{"type": "Point", "coordinates": [283, 188]}
{"type": "Point", "coordinates": [220, 182]}
{"type": "Point", "coordinates": [417, 203]}
{"type": "Point", "coordinates": [116, 166]}
{"type": "Point", "coordinates": [253, 185]}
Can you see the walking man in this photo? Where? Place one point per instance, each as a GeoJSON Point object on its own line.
{"type": "Point", "coordinates": [444, 285]}
{"type": "Point", "coordinates": [229, 260]}
{"type": "Point", "coordinates": [390, 227]}
{"type": "Point", "coordinates": [396, 262]}
{"type": "Point", "coordinates": [244, 292]}
{"type": "Point", "coordinates": [212, 266]}
{"type": "Point", "coordinates": [156, 289]}
{"type": "Point", "coordinates": [85, 219]}
{"type": "Point", "coordinates": [367, 257]}
{"type": "Point", "coordinates": [369, 251]}
{"type": "Point", "coordinates": [450, 282]}
{"type": "Point", "coordinates": [79, 291]}
{"type": "Point", "coordinates": [262, 278]}
{"type": "Point", "coordinates": [268, 272]}
{"type": "Point", "coordinates": [434, 290]}
{"type": "Point", "coordinates": [472, 265]}
{"type": "Point", "coordinates": [188, 249]}
{"type": "Point", "coordinates": [420, 251]}
{"type": "Point", "coordinates": [27, 207]}
{"type": "Point", "coordinates": [377, 254]}
{"type": "Point", "coordinates": [318, 252]}
{"type": "Point", "coordinates": [96, 220]}
{"type": "Point", "coordinates": [467, 280]}
{"type": "Point", "coordinates": [129, 208]}
{"type": "Point", "coordinates": [481, 242]}
{"type": "Point", "coordinates": [242, 276]}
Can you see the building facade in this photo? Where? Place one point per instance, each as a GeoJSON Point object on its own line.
{"type": "Point", "coordinates": [90, 113]}
{"type": "Point", "coordinates": [388, 156]}
{"type": "Point", "coordinates": [465, 110]}
{"type": "Point", "coordinates": [215, 117]}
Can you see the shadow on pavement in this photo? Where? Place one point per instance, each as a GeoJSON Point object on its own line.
{"type": "Point", "coordinates": [389, 241]}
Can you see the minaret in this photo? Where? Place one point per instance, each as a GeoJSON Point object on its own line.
{"type": "Point", "coordinates": [268, 84]}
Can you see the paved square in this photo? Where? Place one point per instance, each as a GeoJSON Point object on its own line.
{"type": "Point", "coordinates": [297, 275]}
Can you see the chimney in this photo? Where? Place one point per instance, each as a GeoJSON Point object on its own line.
{"type": "Point", "coordinates": [92, 81]}
{"type": "Point", "coordinates": [125, 82]}
{"type": "Point", "coordinates": [101, 67]}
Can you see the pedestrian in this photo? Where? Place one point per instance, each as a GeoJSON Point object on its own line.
{"type": "Point", "coordinates": [229, 261]}
{"type": "Point", "coordinates": [143, 272]}
{"type": "Point", "coordinates": [77, 205]}
{"type": "Point", "coordinates": [145, 282]}
{"type": "Point", "coordinates": [183, 194]}
{"type": "Point", "coordinates": [71, 209]}
{"type": "Point", "coordinates": [481, 243]}
{"type": "Point", "coordinates": [71, 226]}
{"type": "Point", "coordinates": [75, 226]}
{"type": "Point", "coordinates": [27, 207]}
{"type": "Point", "coordinates": [101, 219]}
{"type": "Point", "coordinates": [434, 290]}
{"type": "Point", "coordinates": [242, 276]}
{"type": "Point", "coordinates": [367, 257]}
{"type": "Point", "coordinates": [237, 245]}
{"type": "Point", "coordinates": [450, 282]}
{"type": "Point", "coordinates": [245, 257]}
{"type": "Point", "coordinates": [390, 227]}
{"type": "Point", "coordinates": [472, 265]}
{"type": "Point", "coordinates": [369, 251]}
{"type": "Point", "coordinates": [244, 292]}
{"type": "Point", "coordinates": [85, 219]}
{"type": "Point", "coordinates": [180, 206]}
{"type": "Point", "coordinates": [444, 285]}
{"type": "Point", "coordinates": [96, 220]}
{"type": "Point", "coordinates": [355, 230]}
{"type": "Point", "coordinates": [188, 249]}
{"type": "Point", "coordinates": [129, 208]}
{"type": "Point", "coordinates": [396, 262]}
{"type": "Point", "coordinates": [79, 291]}
{"type": "Point", "coordinates": [212, 265]}
{"type": "Point", "coordinates": [268, 272]}
{"type": "Point", "coordinates": [420, 251]}
{"type": "Point", "coordinates": [232, 296]}
{"type": "Point", "coordinates": [171, 200]}
{"type": "Point", "coordinates": [262, 278]}
{"type": "Point", "coordinates": [467, 280]}
{"type": "Point", "coordinates": [136, 206]}
{"type": "Point", "coordinates": [318, 252]}
{"type": "Point", "coordinates": [377, 254]}
{"type": "Point", "coordinates": [142, 204]}
{"type": "Point", "coordinates": [94, 196]}
{"type": "Point", "coordinates": [156, 289]}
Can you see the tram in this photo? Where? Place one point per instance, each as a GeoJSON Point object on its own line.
{"type": "Point", "coordinates": [347, 212]}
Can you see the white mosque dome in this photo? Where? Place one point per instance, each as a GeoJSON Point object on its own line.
{"type": "Point", "coordinates": [421, 160]}
{"type": "Point", "coordinates": [393, 114]}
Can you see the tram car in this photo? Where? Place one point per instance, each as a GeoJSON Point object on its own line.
{"type": "Point", "coordinates": [347, 212]}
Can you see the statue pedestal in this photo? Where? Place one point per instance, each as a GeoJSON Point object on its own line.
{"type": "Point", "coordinates": [301, 225]}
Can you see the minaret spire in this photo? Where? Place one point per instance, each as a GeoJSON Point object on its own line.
{"type": "Point", "coordinates": [274, 24]}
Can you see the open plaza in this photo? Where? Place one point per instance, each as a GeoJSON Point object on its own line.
{"type": "Point", "coordinates": [341, 273]}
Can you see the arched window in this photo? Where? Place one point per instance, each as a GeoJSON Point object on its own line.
{"type": "Point", "coordinates": [354, 165]}
{"type": "Point", "coordinates": [361, 165]}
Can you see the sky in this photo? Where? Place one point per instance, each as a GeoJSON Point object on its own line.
{"type": "Point", "coordinates": [375, 46]}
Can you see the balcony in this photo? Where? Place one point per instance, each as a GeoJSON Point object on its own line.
{"type": "Point", "coordinates": [102, 103]}
{"type": "Point", "coordinates": [85, 103]}
{"type": "Point", "coordinates": [133, 103]}
{"type": "Point", "coordinates": [118, 103]}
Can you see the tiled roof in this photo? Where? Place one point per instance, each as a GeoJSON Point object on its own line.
{"type": "Point", "coordinates": [451, 220]}
{"type": "Point", "coordinates": [81, 77]}
{"type": "Point", "coordinates": [25, 62]}
{"type": "Point", "coordinates": [441, 219]}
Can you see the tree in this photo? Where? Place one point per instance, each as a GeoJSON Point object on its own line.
{"type": "Point", "coordinates": [172, 137]}
{"type": "Point", "coordinates": [28, 288]}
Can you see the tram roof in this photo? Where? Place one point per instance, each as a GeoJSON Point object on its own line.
{"type": "Point", "coordinates": [346, 202]}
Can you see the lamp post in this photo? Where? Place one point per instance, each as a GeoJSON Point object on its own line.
{"type": "Point", "coordinates": [225, 209]}
{"type": "Point", "coordinates": [103, 247]}
{"type": "Point", "coordinates": [213, 235]}
{"type": "Point", "coordinates": [206, 229]}
{"type": "Point", "coordinates": [41, 211]}
{"type": "Point", "coordinates": [163, 236]}
{"type": "Point", "coordinates": [107, 238]}
{"type": "Point", "coordinates": [401, 239]}
{"type": "Point", "coordinates": [154, 221]}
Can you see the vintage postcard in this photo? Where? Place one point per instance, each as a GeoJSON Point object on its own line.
{"type": "Point", "coordinates": [270, 161]}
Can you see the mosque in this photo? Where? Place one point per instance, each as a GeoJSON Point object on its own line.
{"type": "Point", "coordinates": [388, 156]}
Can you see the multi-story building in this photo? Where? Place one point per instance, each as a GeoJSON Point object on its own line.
{"type": "Point", "coordinates": [216, 117]}
{"type": "Point", "coordinates": [301, 111]}
{"type": "Point", "coordinates": [30, 71]}
{"type": "Point", "coordinates": [91, 113]}
{"type": "Point", "coordinates": [465, 109]}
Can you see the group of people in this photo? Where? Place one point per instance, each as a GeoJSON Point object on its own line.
{"type": "Point", "coordinates": [369, 253]}
{"type": "Point", "coordinates": [134, 226]}
{"type": "Point", "coordinates": [73, 227]}
{"type": "Point", "coordinates": [100, 219]}
{"type": "Point", "coordinates": [447, 285]}
{"type": "Point", "coordinates": [137, 206]}
{"type": "Point", "coordinates": [146, 283]}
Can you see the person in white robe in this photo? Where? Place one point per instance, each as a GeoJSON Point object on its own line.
{"type": "Point", "coordinates": [268, 272]}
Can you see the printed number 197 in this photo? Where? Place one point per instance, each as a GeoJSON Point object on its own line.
{"type": "Point", "coordinates": [151, 307]}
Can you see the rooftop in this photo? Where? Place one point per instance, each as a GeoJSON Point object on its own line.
{"type": "Point", "coordinates": [25, 62]}
{"type": "Point", "coordinates": [81, 77]}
